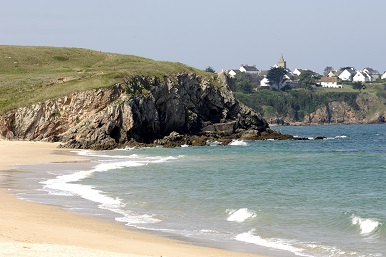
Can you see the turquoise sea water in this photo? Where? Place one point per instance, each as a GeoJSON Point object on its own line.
{"type": "Point", "coordinates": [280, 198]}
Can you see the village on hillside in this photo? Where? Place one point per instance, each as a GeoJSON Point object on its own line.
{"type": "Point", "coordinates": [330, 79]}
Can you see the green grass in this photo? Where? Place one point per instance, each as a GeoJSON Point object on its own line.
{"type": "Point", "coordinates": [32, 74]}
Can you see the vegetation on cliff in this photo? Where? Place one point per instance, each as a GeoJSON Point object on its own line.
{"type": "Point", "coordinates": [32, 74]}
{"type": "Point", "coordinates": [319, 105]}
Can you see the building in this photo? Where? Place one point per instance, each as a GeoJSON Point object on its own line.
{"type": "Point", "coordinates": [331, 82]}
{"type": "Point", "coordinates": [233, 72]}
{"type": "Point", "coordinates": [282, 63]}
{"type": "Point", "coordinates": [250, 69]}
{"type": "Point", "coordinates": [264, 83]}
{"type": "Point", "coordinates": [334, 74]}
{"type": "Point", "coordinates": [361, 76]}
{"type": "Point", "coordinates": [297, 72]}
{"type": "Point", "coordinates": [347, 74]}
{"type": "Point", "coordinates": [373, 74]}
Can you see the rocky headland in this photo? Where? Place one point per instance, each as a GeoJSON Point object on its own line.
{"type": "Point", "coordinates": [185, 109]}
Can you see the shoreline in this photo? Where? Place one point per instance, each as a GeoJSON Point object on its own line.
{"type": "Point", "coordinates": [33, 229]}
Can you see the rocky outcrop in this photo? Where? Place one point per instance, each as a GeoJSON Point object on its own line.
{"type": "Point", "coordinates": [335, 112]}
{"type": "Point", "coordinates": [365, 109]}
{"type": "Point", "coordinates": [185, 109]}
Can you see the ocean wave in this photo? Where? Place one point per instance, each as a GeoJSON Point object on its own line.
{"type": "Point", "coordinates": [159, 159]}
{"type": "Point", "coordinates": [210, 231]}
{"type": "Point", "coordinates": [366, 226]}
{"type": "Point", "coordinates": [293, 246]}
{"type": "Point", "coordinates": [240, 215]}
{"type": "Point", "coordinates": [131, 218]}
{"type": "Point", "coordinates": [65, 185]}
{"type": "Point", "coordinates": [238, 142]}
{"type": "Point", "coordinates": [336, 137]}
{"type": "Point", "coordinates": [323, 250]}
{"type": "Point", "coordinates": [213, 143]}
{"type": "Point", "coordinates": [116, 165]}
{"type": "Point", "coordinates": [279, 244]}
{"type": "Point", "coordinates": [90, 153]}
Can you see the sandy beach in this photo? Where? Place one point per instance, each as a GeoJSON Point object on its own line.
{"type": "Point", "coordinates": [31, 229]}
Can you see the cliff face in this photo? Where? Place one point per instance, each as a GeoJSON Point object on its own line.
{"type": "Point", "coordinates": [320, 108]}
{"type": "Point", "coordinates": [369, 110]}
{"type": "Point", "coordinates": [141, 109]}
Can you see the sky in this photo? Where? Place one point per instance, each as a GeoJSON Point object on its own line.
{"type": "Point", "coordinates": [223, 34]}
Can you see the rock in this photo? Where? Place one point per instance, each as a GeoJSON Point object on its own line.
{"type": "Point", "coordinates": [186, 109]}
{"type": "Point", "coordinates": [250, 134]}
{"type": "Point", "coordinates": [224, 129]}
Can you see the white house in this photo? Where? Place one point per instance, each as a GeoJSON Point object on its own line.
{"type": "Point", "coordinates": [329, 82]}
{"type": "Point", "coordinates": [333, 74]}
{"type": "Point", "coordinates": [383, 75]}
{"type": "Point", "coordinates": [347, 74]}
{"type": "Point", "coordinates": [361, 76]}
{"type": "Point", "coordinates": [373, 74]}
{"type": "Point", "coordinates": [297, 72]}
{"type": "Point", "coordinates": [233, 72]}
{"type": "Point", "coordinates": [264, 83]}
{"type": "Point", "coordinates": [249, 69]}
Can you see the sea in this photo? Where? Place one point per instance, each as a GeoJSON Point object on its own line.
{"type": "Point", "coordinates": [278, 198]}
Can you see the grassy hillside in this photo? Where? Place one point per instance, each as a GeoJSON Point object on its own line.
{"type": "Point", "coordinates": [32, 74]}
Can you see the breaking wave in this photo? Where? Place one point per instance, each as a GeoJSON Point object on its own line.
{"type": "Point", "coordinates": [366, 226]}
{"type": "Point", "coordinates": [238, 142]}
{"type": "Point", "coordinates": [67, 185]}
{"type": "Point", "coordinates": [250, 237]}
{"type": "Point", "coordinates": [240, 215]}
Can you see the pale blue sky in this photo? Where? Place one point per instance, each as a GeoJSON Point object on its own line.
{"type": "Point", "coordinates": [223, 34]}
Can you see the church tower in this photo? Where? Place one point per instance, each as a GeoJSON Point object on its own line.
{"type": "Point", "coordinates": [281, 62]}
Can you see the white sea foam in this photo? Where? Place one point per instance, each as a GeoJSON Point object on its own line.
{"type": "Point", "coordinates": [366, 226]}
{"type": "Point", "coordinates": [209, 231]}
{"type": "Point", "coordinates": [238, 142]}
{"type": "Point", "coordinates": [130, 219]}
{"type": "Point", "coordinates": [90, 153]}
{"type": "Point", "coordinates": [328, 250]}
{"type": "Point", "coordinates": [250, 237]}
{"type": "Point", "coordinates": [213, 143]}
{"type": "Point", "coordinates": [64, 185]}
{"type": "Point", "coordinates": [240, 215]}
{"type": "Point", "coordinates": [341, 137]}
{"type": "Point", "coordinates": [159, 159]}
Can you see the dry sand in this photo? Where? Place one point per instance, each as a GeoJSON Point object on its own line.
{"type": "Point", "coordinates": [31, 229]}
